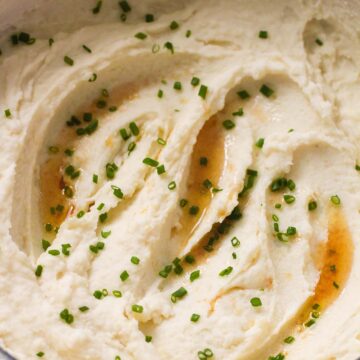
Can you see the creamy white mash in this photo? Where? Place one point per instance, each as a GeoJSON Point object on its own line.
{"type": "Point", "coordinates": [180, 179]}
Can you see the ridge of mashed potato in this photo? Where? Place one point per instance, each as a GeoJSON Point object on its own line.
{"type": "Point", "coordinates": [179, 179]}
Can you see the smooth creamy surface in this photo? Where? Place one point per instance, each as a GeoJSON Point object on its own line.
{"type": "Point", "coordinates": [263, 267]}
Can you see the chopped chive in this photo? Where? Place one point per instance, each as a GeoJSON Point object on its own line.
{"type": "Point", "coordinates": [124, 134]}
{"type": "Point", "coordinates": [183, 202]}
{"type": "Point", "coordinates": [172, 185]}
{"type": "Point", "coordinates": [226, 271]}
{"type": "Point", "coordinates": [148, 338]}
{"type": "Point", "coordinates": [203, 161]}
{"type": "Point", "coordinates": [83, 308]}
{"type": "Point", "coordinates": [228, 124]}
{"type": "Point", "coordinates": [177, 85]}
{"type": "Point", "coordinates": [134, 129]}
{"type": "Point", "coordinates": [266, 90]}
{"type": "Point", "coordinates": [193, 210]}
{"type": "Point", "coordinates": [189, 259]}
{"type": "Point", "coordinates": [278, 184]}
{"type": "Point", "coordinates": [7, 113]}
{"type": "Point", "coordinates": [309, 323]}
{"type": "Point", "coordinates": [93, 78]}
{"type": "Point", "coordinates": [194, 275]}
{"type": "Point", "coordinates": [66, 316]}
{"type": "Point", "coordinates": [335, 200]}
{"type": "Point", "coordinates": [80, 214]}
{"type": "Point", "coordinates": [178, 294]}
{"type": "Point", "coordinates": [40, 354]}
{"type": "Point", "coordinates": [95, 178]}
{"type": "Point", "coordinates": [54, 252]}
{"type": "Point", "coordinates": [68, 60]}
{"type": "Point", "coordinates": [45, 244]}
{"type": "Point", "coordinates": [98, 294]}
{"type": "Point", "coordinates": [105, 234]}
{"type": "Point", "coordinates": [111, 169]}
{"type": "Point", "coordinates": [255, 302]}
{"type": "Point", "coordinates": [103, 217]}
{"type": "Point", "coordinates": [125, 6]}
{"type": "Point", "coordinates": [312, 205]}
{"type": "Point", "coordinates": [263, 34]}
{"type": "Point", "coordinates": [65, 249]}
{"type": "Point", "coordinates": [195, 317]}
{"type": "Point", "coordinates": [101, 206]}
{"type": "Point", "coordinates": [291, 185]}
{"type": "Point", "coordinates": [117, 191]}
{"type": "Point", "coordinates": [140, 36]}
{"type": "Point", "coordinates": [149, 18]}
{"type": "Point", "coordinates": [174, 25]}
{"type": "Point", "coordinates": [150, 162]}
{"type": "Point", "coordinates": [188, 33]}
{"type": "Point", "coordinates": [124, 275]}
{"type": "Point", "coordinates": [161, 141]}
{"type": "Point", "coordinates": [203, 91]}
{"type": "Point", "coordinates": [168, 45]}
{"type": "Point", "coordinates": [260, 143]}
{"type": "Point", "coordinates": [39, 270]}
{"type": "Point", "coordinates": [160, 169]}
{"type": "Point", "coordinates": [235, 242]}
{"type": "Point", "coordinates": [160, 94]}
{"type": "Point", "coordinates": [135, 260]}
{"type": "Point", "coordinates": [240, 112]}
{"type": "Point", "coordinates": [319, 42]}
{"type": "Point", "coordinates": [131, 147]}
{"type": "Point", "coordinates": [87, 49]}
{"type": "Point", "coordinates": [289, 199]}
{"type": "Point", "coordinates": [51, 41]}
{"type": "Point", "coordinates": [97, 8]}
{"type": "Point", "coordinates": [289, 340]}
{"type": "Point", "coordinates": [195, 81]}
{"type": "Point", "coordinates": [243, 94]}
{"type": "Point", "coordinates": [335, 284]}
{"type": "Point", "coordinates": [137, 308]}
{"type": "Point", "coordinates": [117, 293]}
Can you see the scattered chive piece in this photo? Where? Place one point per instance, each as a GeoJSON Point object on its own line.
{"type": "Point", "coordinates": [117, 293]}
{"type": "Point", "coordinates": [260, 143]}
{"type": "Point", "coordinates": [7, 113]}
{"type": "Point", "coordinates": [235, 242]}
{"type": "Point", "coordinates": [160, 169]}
{"type": "Point", "coordinates": [203, 161]}
{"type": "Point", "coordinates": [263, 34]}
{"type": "Point", "coordinates": [117, 191]}
{"type": "Point", "coordinates": [189, 259]}
{"type": "Point", "coordinates": [312, 205]}
{"type": "Point", "coordinates": [278, 206]}
{"type": "Point", "coordinates": [289, 340]}
{"type": "Point", "coordinates": [65, 249]}
{"type": "Point", "coordinates": [87, 49]}
{"type": "Point", "coordinates": [54, 252]}
{"type": "Point", "coordinates": [135, 260]}
{"type": "Point", "coordinates": [319, 42]}
{"type": "Point", "coordinates": [45, 244]}
{"type": "Point", "coordinates": [266, 90]}
{"type": "Point", "coordinates": [172, 185]}
{"type": "Point", "coordinates": [168, 45]}
{"type": "Point", "coordinates": [40, 354]}
{"type": "Point", "coordinates": [134, 129]}
{"type": "Point", "coordinates": [98, 294]}
{"type": "Point", "coordinates": [83, 308]}
{"type": "Point", "coordinates": [93, 78]}
{"type": "Point", "coordinates": [137, 308]}
{"type": "Point", "coordinates": [188, 33]}
{"type": "Point", "coordinates": [103, 217]}
{"type": "Point", "coordinates": [289, 199]}
{"type": "Point", "coordinates": [161, 141]}
{"type": "Point", "coordinates": [68, 60]}
{"type": "Point", "coordinates": [124, 134]}
{"type": "Point", "coordinates": [174, 25]}
{"type": "Point", "coordinates": [101, 206]}
{"type": "Point", "coordinates": [97, 8]}
{"type": "Point", "coordinates": [125, 6]}
{"type": "Point", "coordinates": [195, 317]}
{"type": "Point", "coordinates": [194, 275]}
{"type": "Point", "coordinates": [111, 169]}
{"type": "Point", "coordinates": [131, 147]}
{"type": "Point", "coordinates": [177, 85]}
{"type": "Point", "coordinates": [150, 162]}
{"type": "Point", "coordinates": [240, 112]}
{"type": "Point", "coordinates": [160, 94]}
{"type": "Point", "coordinates": [105, 234]}
{"type": "Point", "coordinates": [193, 210]}
{"type": "Point", "coordinates": [228, 124]}
{"type": "Point", "coordinates": [278, 184]}
{"type": "Point", "coordinates": [178, 294]}
{"type": "Point", "coordinates": [335, 284]}
{"type": "Point", "coordinates": [195, 81]}
{"type": "Point", "coordinates": [124, 275]}
{"type": "Point", "coordinates": [203, 91]}
{"type": "Point", "coordinates": [140, 36]}
{"type": "Point", "coordinates": [95, 179]}
{"type": "Point", "coordinates": [226, 271]}
{"type": "Point", "coordinates": [51, 41]}
{"type": "Point", "coordinates": [335, 200]}
{"type": "Point", "coordinates": [38, 270]}
{"type": "Point", "coordinates": [148, 338]}
{"type": "Point", "coordinates": [149, 18]}
{"type": "Point", "coordinates": [80, 214]}
{"type": "Point", "coordinates": [291, 185]}
{"type": "Point", "coordinates": [183, 202]}
{"type": "Point", "coordinates": [66, 316]}
{"type": "Point", "coordinates": [310, 323]}
{"type": "Point", "coordinates": [255, 302]}
{"type": "Point", "coordinates": [243, 94]}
